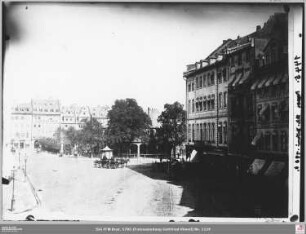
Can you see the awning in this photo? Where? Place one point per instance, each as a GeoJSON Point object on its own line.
{"type": "Point", "coordinates": [277, 79]}
{"type": "Point", "coordinates": [270, 80]}
{"type": "Point", "coordinates": [245, 77]}
{"type": "Point", "coordinates": [256, 138]}
{"type": "Point", "coordinates": [285, 78]}
{"type": "Point", "coordinates": [256, 166]}
{"type": "Point", "coordinates": [263, 110]}
{"type": "Point", "coordinates": [275, 168]}
{"type": "Point", "coordinates": [193, 155]}
{"type": "Point", "coordinates": [263, 81]}
{"type": "Point", "coordinates": [231, 79]}
{"type": "Point", "coordinates": [254, 85]}
{"type": "Point", "coordinates": [238, 77]}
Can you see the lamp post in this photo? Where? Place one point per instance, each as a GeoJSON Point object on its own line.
{"type": "Point", "coordinates": [13, 191]}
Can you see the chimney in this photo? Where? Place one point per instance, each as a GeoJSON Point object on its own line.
{"type": "Point", "coordinates": [258, 27]}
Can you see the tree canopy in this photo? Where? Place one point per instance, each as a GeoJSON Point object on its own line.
{"type": "Point", "coordinates": [173, 126]}
{"type": "Point", "coordinates": [127, 121]}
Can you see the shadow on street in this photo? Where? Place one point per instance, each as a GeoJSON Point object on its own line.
{"type": "Point", "coordinates": [214, 191]}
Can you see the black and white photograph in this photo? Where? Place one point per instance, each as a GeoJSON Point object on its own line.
{"type": "Point", "coordinates": [147, 112]}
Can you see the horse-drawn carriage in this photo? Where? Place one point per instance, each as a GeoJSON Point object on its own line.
{"type": "Point", "coordinates": [112, 163]}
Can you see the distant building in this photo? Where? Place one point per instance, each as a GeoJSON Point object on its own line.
{"type": "Point", "coordinates": [46, 118]}
{"type": "Point", "coordinates": [153, 113]}
{"type": "Point", "coordinates": [42, 118]}
{"type": "Point", "coordinates": [100, 113]}
{"type": "Point", "coordinates": [20, 123]}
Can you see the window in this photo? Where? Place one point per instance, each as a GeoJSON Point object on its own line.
{"type": "Point", "coordinates": [208, 102]}
{"type": "Point", "coordinates": [200, 82]}
{"type": "Point", "coordinates": [275, 141]}
{"type": "Point", "coordinates": [200, 105]}
{"type": "Point", "coordinates": [267, 141]}
{"type": "Point", "coordinates": [197, 82]}
{"type": "Point", "coordinates": [247, 56]}
{"type": "Point", "coordinates": [189, 106]}
{"type": "Point", "coordinates": [239, 59]}
{"type": "Point", "coordinates": [225, 132]}
{"type": "Point", "coordinates": [220, 140]}
{"type": "Point", "coordinates": [224, 74]}
{"type": "Point", "coordinates": [259, 107]}
{"type": "Point", "coordinates": [219, 77]}
{"type": "Point", "coordinates": [225, 99]}
{"type": "Point", "coordinates": [192, 132]}
{"type": "Point", "coordinates": [212, 78]}
{"type": "Point", "coordinates": [274, 111]}
{"type": "Point", "coordinates": [192, 86]}
{"type": "Point", "coordinates": [232, 61]}
{"type": "Point", "coordinates": [189, 132]}
{"type": "Point", "coordinates": [197, 105]}
{"type": "Point", "coordinates": [284, 142]}
{"type": "Point", "coordinates": [204, 81]}
{"type": "Point", "coordinates": [205, 132]}
{"type": "Point", "coordinates": [213, 132]}
{"type": "Point", "coordinates": [198, 132]}
{"type": "Point", "coordinates": [189, 87]}
{"type": "Point", "coordinates": [204, 104]}
{"type": "Point", "coordinates": [192, 105]}
{"type": "Point", "coordinates": [212, 102]}
{"type": "Point", "coordinates": [220, 100]}
{"type": "Point", "coordinates": [208, 79]}
{"type": "Point", "coordinates": [209, 136]}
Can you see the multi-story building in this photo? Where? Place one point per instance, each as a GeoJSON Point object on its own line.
{"type": "Point", "coordinates": [100, 113]}
{"type": "Point", "coordinates": [46, 118]}
{"type": "Point", "coordinates": [82, 114]}
{"type": "Point", "coordinates": [20, 122]}
{"type": "Point", "coordinates": [42, 118]}
{"type": "Point", "coordinates": [206, 101]}
{"type": "Point", "coordinates": [237, 98]}
{"type": "Point", "coordinates": [68, 117]}
{"type": "Point", "coordinates": [270, 90]}
{"type": "Point", "coordinates": [259, 102]}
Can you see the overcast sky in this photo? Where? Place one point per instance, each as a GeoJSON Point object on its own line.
{"type": "Point", "coordinates": [95, 54]}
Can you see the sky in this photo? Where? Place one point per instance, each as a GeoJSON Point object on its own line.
{"type": "Point", "coordinates": [93, 54]}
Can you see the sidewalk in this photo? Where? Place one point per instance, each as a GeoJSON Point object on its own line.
{"type": "Point", "coordinates": [25, 197]}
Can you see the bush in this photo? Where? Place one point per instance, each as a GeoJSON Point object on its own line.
{"type": "Point", "coordinates": [49, 144]}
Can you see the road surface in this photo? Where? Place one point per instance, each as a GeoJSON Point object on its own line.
{"type": "Point", "coordinates": [72, 188]}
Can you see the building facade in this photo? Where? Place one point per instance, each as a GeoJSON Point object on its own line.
{"type": "Point", "coordinates": [237, 98]}
{"type": "Point", "coordinates": [21, 122]}
{"type": "Point", "coordinates": [43, 118]}
{"type": "Point", "coordinates": [207, 101]}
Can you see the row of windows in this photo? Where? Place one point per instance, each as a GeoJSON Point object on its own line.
{"type": "Point", "coordinates": [207, 80]}
{"type": "Point", "coordinates": [202, 104]}
{"type": "Point", "coordinates": [273, 112]}
{"type": "Point", "coordinates": [273, 92]}
{"type": "Point", "coordinates": [275, 141]}
{"type": "Point", "coordinates": [206, 132]}
{"type": "Point", "coordinates": [207, 103]}
{"type": "Point", "coordinates": [46, 110]}
{"type": "Point", "coordinates": [239, 58]}
{"type": "Point", "coordinates": [22, 135]}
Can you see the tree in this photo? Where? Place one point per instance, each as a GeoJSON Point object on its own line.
{"type": "Point", "coordinates": [49, 144]}
{"type": "Point", "coordinates": [127, 121]}
{"type": "Point", "coordinates": [173, 126]}
{"type": "Point", "coordinates": [90, 137]}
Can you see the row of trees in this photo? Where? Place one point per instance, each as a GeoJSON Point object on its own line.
{"type": "Point", "coordinates": [127, 122]}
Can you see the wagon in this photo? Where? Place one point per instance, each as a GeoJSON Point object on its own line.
{"type": "Point", "coordinates": [112, 163]}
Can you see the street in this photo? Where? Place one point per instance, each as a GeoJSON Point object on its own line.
{"type": "Point", "coordinates": [72, 188]}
